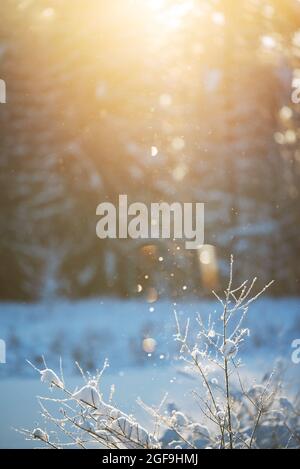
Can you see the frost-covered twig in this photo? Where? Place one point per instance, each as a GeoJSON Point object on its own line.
{"type": "Point", "coordinates": [237, 417]}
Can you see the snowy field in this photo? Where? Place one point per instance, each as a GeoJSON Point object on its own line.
{"type": "Point", "coordinates": [90, 331]}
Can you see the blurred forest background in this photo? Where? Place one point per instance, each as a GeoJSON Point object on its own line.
{"type": "Point", "coordinates": [164, 101]}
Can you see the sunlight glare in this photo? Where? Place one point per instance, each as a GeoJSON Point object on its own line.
{"type": "Point", "coordinates": [156, 4]}
{"type": "Point", "coordinates": [170, 16]}
{"type": "Point", "coordinates": [268, 42]}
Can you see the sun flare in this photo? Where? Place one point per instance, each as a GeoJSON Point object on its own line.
{"type": "Point", "coordinates": [168, 15]}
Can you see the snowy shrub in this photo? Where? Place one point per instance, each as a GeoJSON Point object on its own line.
{"type": "Point", "coordinates": [49, 377]}
{"type": "Point", "coordinates": [231, 415]}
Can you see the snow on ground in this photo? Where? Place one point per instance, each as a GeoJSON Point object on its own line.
{"type": "Point", "coordinates": [91, 330]}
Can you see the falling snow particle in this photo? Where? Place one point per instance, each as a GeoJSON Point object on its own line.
{"type": "Point", "coordinates": [165, 101]}
{"type": "Point", "coordinates": [149, 345]}
{"type": "Point", "coordinates": [48, 13]}
{"type": "Point", "coordinates": [268, 42]}
{"type": "Point", "coordinates": [154, 151]}
{"type": "Point", "coordinates": [178, 144]}
{"type": "Point", "coordinates": [218, 18]}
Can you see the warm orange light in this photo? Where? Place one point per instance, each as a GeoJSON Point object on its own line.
{"type": "Point", "coordinates": [209, 267]}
